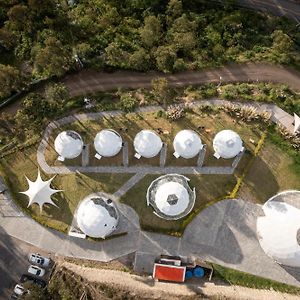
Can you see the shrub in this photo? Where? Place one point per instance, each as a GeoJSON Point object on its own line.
{"type": "Point", "coordinates": [127, 102]}
{"type": "Point", "coordinates": [175, 112]}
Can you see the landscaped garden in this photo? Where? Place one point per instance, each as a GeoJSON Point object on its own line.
{"type": "Point", "coordinates": [264, 169]}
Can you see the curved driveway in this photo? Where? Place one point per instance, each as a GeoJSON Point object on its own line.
{"type": "Point", "coordinates": [91, 81]}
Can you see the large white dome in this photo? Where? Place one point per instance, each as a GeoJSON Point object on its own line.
{"type": "Point", "coordinates": [171, 197]}
{"type": "Point", "coordinates": [147, 143]}
{"type": "Point", "coordinates": [278, 231]}
{"type": "Point", "coordinates": [68, 144]}
{"type": "Point", "coordinates": [227, 144]}
{"type": "Point", "coordinates": [187, 143]}
{"type": "Point", "coordinates": [97, 216]}
{"type": "Point", "coordinates": [108, 143]}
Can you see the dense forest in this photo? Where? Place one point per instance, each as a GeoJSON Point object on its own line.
{"type": "Point", "coordinates": [42, 38]}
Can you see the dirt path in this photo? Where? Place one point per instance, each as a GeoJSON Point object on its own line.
{"type": "Point", "coordinates": [90, 81]}
{"type": "Point", "coordinates": [146, 286]}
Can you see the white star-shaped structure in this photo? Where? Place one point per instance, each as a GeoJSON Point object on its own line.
{"type": "Point", "coordinates": [40, 191]}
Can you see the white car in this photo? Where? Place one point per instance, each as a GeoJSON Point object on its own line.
{"type": "Point", "coordinates": [37, 259]}
{"type": "Point", "coordinates": [19, 290]}
{"type": "Point", "coordinates": [37, 271]}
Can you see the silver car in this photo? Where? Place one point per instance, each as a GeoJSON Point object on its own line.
{"type": "Point", "coordinates": [37, 259]}
{"type": "Point", "coordinates": [37, 271]}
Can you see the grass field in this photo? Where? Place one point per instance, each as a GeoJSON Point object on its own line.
{"type": "Point", "coordinates": [271, 171]}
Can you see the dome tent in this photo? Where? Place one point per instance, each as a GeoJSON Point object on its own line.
{"type": "Point", "coordinates": [68, 144]}
{"type": "Point", "coordinates": [171, 196]}
{"type": "Point", "coordinates": [97, 216]}
{"type": "Point", "coordinates": [187, 144]}
{"type": "Point", "coordinates": [147, 144]}
{"type": "Point", "coordinates": [279, 229]}
{"type": "Point", "coordinates": [108, 143]}
{"type": "Point", "coordinates": [227, 144]}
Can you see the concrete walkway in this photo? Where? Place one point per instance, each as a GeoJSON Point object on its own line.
{"type": "Point", "coordinates": [223, 233]}
{"type": "Point", "coordinates": [278, 116]}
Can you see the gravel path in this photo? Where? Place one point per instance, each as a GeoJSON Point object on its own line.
{"type": "Point", "coordinates": [144, 285]}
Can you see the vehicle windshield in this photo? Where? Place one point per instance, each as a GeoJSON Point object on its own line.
{"type": "Point", "coordinates": [38, 272]}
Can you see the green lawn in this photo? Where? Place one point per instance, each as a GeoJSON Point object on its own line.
{"type": "Point", "coordinates": [75, 187]}
{"type": "Point", "coordinates": [209, 188]}
{"type": "Point", "coordinates": [274, 169]}
{"type": "Point", "coordinates": [235, 277]}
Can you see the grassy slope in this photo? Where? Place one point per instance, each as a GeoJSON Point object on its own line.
{"type": "Point", "coordinates": [235, 277]}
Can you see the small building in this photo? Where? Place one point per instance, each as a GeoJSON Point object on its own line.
{"type": "Point", "coordinates": [68, 144]}
{"type": "Point", "coordinates": [171, 196]}
{"type": "Point", "coordinates": [279, 229]}
{"type": "Point", "coordinates": [296, 124]}
{"type": "Point", "coordinates": [107, 143]}
{"type": "Point", "coordinates": [187, 144]}
{"type": "Point", "coordinates": [147, 144]}
{"type": "Point", "coordinates": [177, 269]}
{"type": "Point", "coordinates": [227, 144]}
{"type": "Point", "coordinates": [97, 216]}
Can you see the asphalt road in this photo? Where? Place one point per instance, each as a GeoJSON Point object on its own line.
{"type": "Point", "coordinates": [290, 9]}
{"type": "Point", "coordinates": [13, 262]}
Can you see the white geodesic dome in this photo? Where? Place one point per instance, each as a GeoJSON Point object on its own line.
{"type": "Point", "coordinates": [187, 143]}
{"type": "Point", "coordinates": [108, 143]}
{"type": "Point", "coordinates": [279, 229]}
{"type": "Point", "coordinates": [227, 144]}
{"type": "Point", "coordinates": [68, 144]}
{"type": "Point", "coordinates": [97, 216]}
{"type": "Point", "coordinates": [171, 196]}
{"type": "Point", "coordinates": [147, 143]}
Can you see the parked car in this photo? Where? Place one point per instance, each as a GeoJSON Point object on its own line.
{"type": "Point", "coordinates": [37, 271]}
{"type": "Point", "coordinates": [37, 259]}
{"type": "Point", "coordinates": [28, 278]}
{"type": "Point", "coordinates": [19, 290]}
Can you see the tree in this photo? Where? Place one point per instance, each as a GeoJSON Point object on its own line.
{"type": "Point", "coordinates": [11, 80]}
{"type": "Point", "coordinates": [174, 10]}
{"type": "Point", "coordinates": [7, 38]}
{"type": "Point", "coordinates": [140, 60]}
{"type": "Point", "coordinates": [151, 32]}
{"type": "Point", "coordinates": [18, 16]}
{"type": "Point", "coordinates": [52, 59]}
{"type": "Point", "coordinates": [282, 43]}
{"type": "Point", "coordinates": [56, 96]}
{"type": "Point", "coordinates": [161, 91]}
{"type": "Point", "coordinates": [165, 57]}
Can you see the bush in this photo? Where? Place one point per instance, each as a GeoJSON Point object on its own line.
{"type": "Point", "coordinates": [175, 112]}
{"type": "Point", "coordinates": [127, 102]}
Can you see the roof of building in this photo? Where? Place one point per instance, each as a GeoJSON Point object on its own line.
{"type": "Point", "coordinates": [187, 143]}
{"type": "Point", "coordinates": [108, 143]}
{"type": "Point", "coordinates": [97, 216]}
{"type": "Point", "coordinates": [68, 144]}
{"type": "Point", "coordinates": [171, 196]}
{"type": "Point", "coordinates": [169, 272]}
{"type": "Point", "coordinates": [40, 191]}
{"type": "Point", "coordinates": [279, 229]}
{"type": "Point", "coordinates": [227, 144]}
{"type": "Point", "coordinates": [147, 143]}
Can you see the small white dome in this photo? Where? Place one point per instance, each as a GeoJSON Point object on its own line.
{"type": "Point", "coordinates": [187, 143]}
{"type": "Point", "coordinates": [171, 196]}
{"type": "Point", "coordinates": [108, 143]}
{"type": "Point", "coordinates": [227, 144]}
{"type": "Point", "coordinates": [68, 144]}
{"type": "Point", "coordinates": [147, 143]}
{"type": "Point", "coordinates": [279, 230]}
{"type": "Point", "coordinates": [97, 216]}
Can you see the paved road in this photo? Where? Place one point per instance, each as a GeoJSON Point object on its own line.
{"type": "Point", "coordinates": [13, 262]}
{"type": "Point", "coordinates": [290, 9]}
{"type": "Point", "coordinates": [90, 81]}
